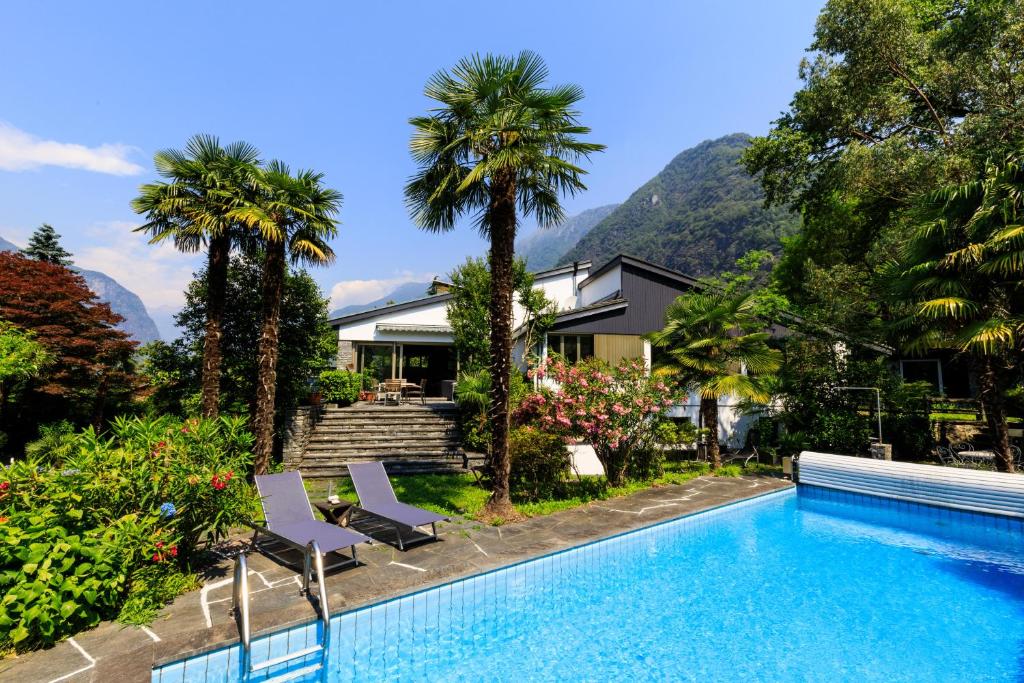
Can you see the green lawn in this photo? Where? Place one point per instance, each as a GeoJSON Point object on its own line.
{"type": "Point", "coordinates": [458, 494]}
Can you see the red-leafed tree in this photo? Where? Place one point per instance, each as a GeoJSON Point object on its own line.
{"type": "Point", "coordinates": [91, 367]}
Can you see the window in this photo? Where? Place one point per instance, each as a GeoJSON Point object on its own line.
{"type": "Point", "coordinates": [376, 362]}
{"type": "Point", "coordinates": [573, 347]}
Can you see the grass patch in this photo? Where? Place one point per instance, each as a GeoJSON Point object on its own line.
{"type": "Point", "coordinates": [459, 494]}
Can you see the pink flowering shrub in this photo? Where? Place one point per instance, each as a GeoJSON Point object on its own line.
{"type": "Point", "coordinates": [612, 409]}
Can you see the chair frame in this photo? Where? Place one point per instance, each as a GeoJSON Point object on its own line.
{"type": "Point", "coordinates": [277, 539]}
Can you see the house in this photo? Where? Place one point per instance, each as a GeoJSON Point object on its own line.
{"type": "Point", "coordinates": [413, 340]}
{"type": "Point", "coordinates": [602, 313]}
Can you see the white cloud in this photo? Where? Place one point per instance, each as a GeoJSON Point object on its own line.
{"type": "Point", "coordinates": [21, 151]}
{"type": "Point", "coordinates": [157, 273]}
{"type": "Point", "coordinates": [348, 292]}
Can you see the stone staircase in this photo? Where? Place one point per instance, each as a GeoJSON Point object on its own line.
{"type": "Point", "coordinates": [409, 439]}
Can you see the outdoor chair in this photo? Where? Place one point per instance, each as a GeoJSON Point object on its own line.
{"type": "Point", "coordinates": [417, 391]}
{"type": "Point", "coordinates": [377, 500]}
{"type": "Point", "coordinates": [393, 390]}
{"type": "Point", "coordinates": [290, 522]}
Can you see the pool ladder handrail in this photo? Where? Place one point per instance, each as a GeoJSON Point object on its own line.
{"type": "Point", "coordinates": [313, 561]}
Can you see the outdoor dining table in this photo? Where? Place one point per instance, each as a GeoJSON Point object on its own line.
{"type": "Point", "coordinates": [977, 456]}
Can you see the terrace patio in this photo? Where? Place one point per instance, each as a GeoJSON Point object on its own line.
{"type": "Point", "coordinates": [201, 621]}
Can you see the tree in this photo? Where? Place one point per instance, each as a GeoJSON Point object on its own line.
{"type": "Point", "coordinates": [91, 368]}
{"type": "Point", "coordinates": [306, 340]}
{"type": "Point", "coordinates": [469, 314]}
{"type": "Point", "coordinates": [206, 182]}
{"type": "Point", "coordinates": [498, 145]}
{"type": "Point", "coordinates": [612, 409]}
{"type": "Point", "coordinates": [898, 97]}
{"type": "Point", "coordinates": [962, 276]}
{"type": "Point", "coordinates": [715, 345]}
{"type": "Point", "coordinates": [44, 245]}
{"type": "Point", "coordinates": [21, 359]}
{"type": "Point", "coordinates": [294, 216]}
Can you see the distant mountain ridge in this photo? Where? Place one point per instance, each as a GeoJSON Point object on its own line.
{"type": "Point", "coordinates": [404, 292]}
{"type": "Point", "coordinates": [543, 247]}
{"type": "Point", "coordinates": [698, 215]}
{"type": "Point", "coordinates": [122, 301]}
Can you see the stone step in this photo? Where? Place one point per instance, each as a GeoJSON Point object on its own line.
{"type": "Point", "coordinates": [371, 453]}
{"type": "Point", "coordinates": [385, 430]}
{"type": "Point", "coordinates": [390, 411]}
{"type": "Point", "coordinates": [331, 450]}
{"type": "Point", "coordinates": [383, 445]}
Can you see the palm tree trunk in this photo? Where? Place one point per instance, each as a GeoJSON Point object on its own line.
{"type": "Point", "coordinates": [709, 416]}
{"type": "Point", "coordinates": [266, 382]}
{"type": "Point", "coordinates": [994, 405]}
{"type": "Point", "coordinates": [502, 212]}
{"type": "Point", "coordinates": [216, 283]}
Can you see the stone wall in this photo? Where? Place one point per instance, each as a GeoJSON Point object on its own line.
{"type": "Point", "coordinates": [346, 357]}
{"type": "Point", "coordinates": [298, 426]}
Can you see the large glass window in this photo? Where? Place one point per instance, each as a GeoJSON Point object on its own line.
{"type": "Point", "coordinates": [375, 361]}
{"type": "Point", "coordinates": [573, 347]}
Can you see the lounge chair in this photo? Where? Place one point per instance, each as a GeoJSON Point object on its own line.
{"type": "Point", "coordinates": [377, 499]}
{"type": "Point", "coordinates": [290, 521]}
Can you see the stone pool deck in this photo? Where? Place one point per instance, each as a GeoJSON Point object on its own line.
{"type": "Point", "coordinates": [201, 620]}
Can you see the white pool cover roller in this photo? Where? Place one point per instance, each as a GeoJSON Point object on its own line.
{"type": "Point", "coordinates": [976, 490]}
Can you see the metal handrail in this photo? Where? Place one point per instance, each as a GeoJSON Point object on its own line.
{"type": "Point", "coordinates": [240, 606]}
{"type": "Point", "coordinates": [315, 560]}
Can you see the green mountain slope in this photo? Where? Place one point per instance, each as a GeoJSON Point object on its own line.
{"type": "Point", "coordinates": [698, 215]}
{"type": "Point", "coordinates": [543, 247]}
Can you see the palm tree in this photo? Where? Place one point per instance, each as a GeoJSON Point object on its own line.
{"type": "Point", "coordinates": [962, 274]}
{"type": "Point", "coordinates": [205, 183]}
{"type": "Point", "coordinates": [498, 145]}
{"type": "Point", "coordinates": [292, 216]}
{"type": "Point", "coordinates": [716, 346]}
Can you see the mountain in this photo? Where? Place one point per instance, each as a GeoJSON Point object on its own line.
{"type": "Point", "coordinates": [698, 215]}
{"type": "Point", "coordinates": [543, 247]}
{"type": "Point", "coordinates": [122, 301]}
{"type": "Point", "coordinates": [404, 292]}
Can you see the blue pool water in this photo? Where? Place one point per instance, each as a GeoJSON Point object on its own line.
{"type": "Point", "coordinates": [815, 586]}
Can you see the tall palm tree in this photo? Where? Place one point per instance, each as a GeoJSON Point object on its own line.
{"type": "Point", "coordinates": [497, 145]}
{"type": "Point", "coordinates": [292, 216]}
{"type": "Point", "coordinates": [962, 275]}
{"type": "Point", "coordinates": [205, 183]}
{"type": "Point", "coordinates": [716, 346]}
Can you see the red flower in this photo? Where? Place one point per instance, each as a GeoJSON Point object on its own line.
{"type": "Point", "coordinates": [156, 557]}
{"type": "Point", "coordinates": [173, 551]}
{"type": "Point", "coordinates": [230, 473]}
{"type": "Point", "coordinates": [4, 485]}
{"type": "Point", "coordinates": [159, 544]}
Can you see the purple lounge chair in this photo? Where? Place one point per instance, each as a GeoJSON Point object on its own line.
{"type": "Point", "coordinates": [290, 521]}
{"type": "Point", "coordinates": [377, 499]}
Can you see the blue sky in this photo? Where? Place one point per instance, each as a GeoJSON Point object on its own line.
{"type": "Point", "coordinates": [91, 90]}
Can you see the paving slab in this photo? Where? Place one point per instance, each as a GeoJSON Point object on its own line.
{"type": "Point", "coordinates": [201, 620]}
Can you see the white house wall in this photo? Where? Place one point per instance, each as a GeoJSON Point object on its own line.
{"type": "Point", "coordinates": [428, 314]}
{"type": "Point", "coordinates": [602, 286]}
{"type": "Point", "coordinates": [733, 423]}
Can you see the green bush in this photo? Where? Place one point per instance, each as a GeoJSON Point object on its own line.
{"type": "Point", "coordinates": [472, 396]}
{"type": "Point", "coordinates": [539, 462]}
{"type": "Point", "coordinates": [97, 521]}
{"type": "Point", "coordinates": [340, 386]}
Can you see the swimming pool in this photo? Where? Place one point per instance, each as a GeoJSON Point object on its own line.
{"type": "Point", "coordinates": [811, 586]}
